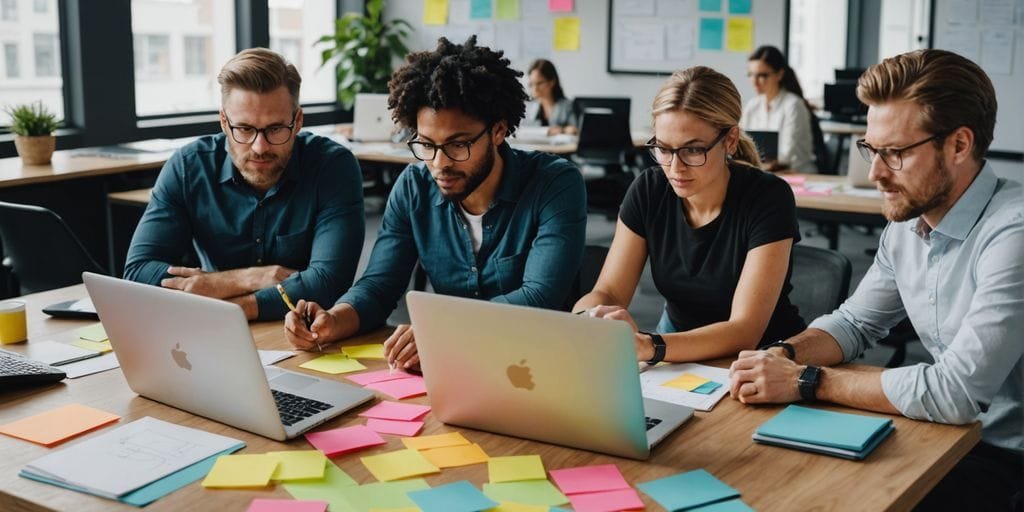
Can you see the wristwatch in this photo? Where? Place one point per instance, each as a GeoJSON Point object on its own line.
{"type": "Point", "coordinates": [790, 351]}
{"type": "Point", "coordinates": [659, 347]}
{"type": "Point", "coordinates": [808, 382]}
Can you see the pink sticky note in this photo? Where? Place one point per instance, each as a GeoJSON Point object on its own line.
{"type": "Point", "coordinates": [396, 411]}
{"type": "Point", "coordinates": [396, 427]}
{"type": "Point", "coordinates": [608, 501]}
{"type": "Point", "coordinates": [342, 440]}
{"type": "Point", "coordinates": [810, 192]}
{"type": "Point", "coordinates": [378, 376]}
{"type": "Point", "coordinates": [589, 479]}
{"type": "Point", "coordinates": [559, 5]}
{"type": "Point", "coordinates": [402, 388]}
{"type": "Point", "coordinates": [793, 180]}
{"type": "Point", "coordinates": [265, 505]}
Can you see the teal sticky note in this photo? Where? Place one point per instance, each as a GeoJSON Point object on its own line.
{"type": "Point", "coordinates": [711, 5]}
{"type": "Point", "coordinates": [455, 497]}
{"type": "Point", "coordinates": [688, 490]}
{"type": "Point", "coordinates": [711, 30]}
{"type": "Point", "coordinates": [739, 6]}
{"type": "Point", "coordinates": [480, 9]}
{"type": "Point", "coordinates": [824, 428]}
{"type": "Point", "coordinates": [707, 388]}
{"type": "Point", "coordinates": [735, 505]}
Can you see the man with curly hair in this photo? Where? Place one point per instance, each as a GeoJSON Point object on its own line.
{"type": "Point", "coordinates": [484, 220]}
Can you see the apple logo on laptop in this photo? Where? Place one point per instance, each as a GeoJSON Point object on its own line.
{"type": "Point", "coordinates": [519, 375]}
{"type": "Point", "coordinates": [180, 357]}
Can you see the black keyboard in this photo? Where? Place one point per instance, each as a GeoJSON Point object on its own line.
{"type": "Point", "coordinates": [651, 422]}
{"type": "Point", "coordinates": [16, 370]}
{"type": "Point", "coordinates": [294, 408]}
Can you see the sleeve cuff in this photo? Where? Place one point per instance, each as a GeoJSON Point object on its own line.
{"type": "Point", "coordinates": [841, 332]}
{"type": "Point", "coordinates": [370, 314]}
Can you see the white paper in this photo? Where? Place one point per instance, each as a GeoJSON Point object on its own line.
{"type": "Point", "coordinates": [634, 7]}
{"type": "Point", "coordinates": [509, 37]}
{"type": "Point", "coordinates": [676, 8]}
{"type": "Point", "coordinates": [652, 378]}
{"type": "Point", "coordinates": [683, 41]}
{"type": "Point", "coordinates": [963, 41]}
{"type": "Point", "coordinates": [642, 41]}
{"type": "Point", "coordinates": [458, 12]}
{"type": "Point", "coordinates": [131, 456]}
{"type": "Point", "coordinates": [533, 8]}
{"type": "Point", "coordinates": [92, 365]}
{"type": "Point", "coordinates": [997, 51]}
{"type": "Point", "coordinates": [997, 12]}
{"type": "Point", "coordinates": [269, 357]}
{"type": "Point", "coordinates": [962, 11]}
{"type": "Point", "coordinates": [54, 353]}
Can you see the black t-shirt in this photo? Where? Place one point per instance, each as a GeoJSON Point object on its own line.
{"type": "Point", "coordinates": [697, 270]}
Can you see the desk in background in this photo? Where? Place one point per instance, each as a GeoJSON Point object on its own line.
{"type": "Point", "coordinates": [841, 206]}
{"type": "Point", "coordinates": [895, 477]}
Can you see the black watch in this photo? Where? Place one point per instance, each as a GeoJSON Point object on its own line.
{"type": "Point", "coordinates": [808, 383]}
{"type": "Point", "coordinates": [659, 347]}
{"type": "Point", "coordinates": [790, 351]}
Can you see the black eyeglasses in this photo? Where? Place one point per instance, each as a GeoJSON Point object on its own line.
{"type": "Point", "coordinates": [457, 151]}
{"type": "Point", "coordinates": [891, 157]}
{"type": "Point", "coordinates": [275, 134]}
{"type": "Point", "coordinates": [691, 156]}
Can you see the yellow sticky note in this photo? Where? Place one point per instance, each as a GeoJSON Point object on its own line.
{"type": "Point", "coordinates": [686, 381]}
{"type": "Point", "coordinates": [403, 509]}
{"type": "Point", "coordinates": [94, 332]}
{"type": "Point", "coordinates": [438, 441]}
{"type": "Point", "coordinates": [567, 34]}
{"type": "Point", "coordinates": [515, 468]}
{"type": "Point", "coordinates": [298, 464]}
{"type": "Point", "coordinates": [508, 506]}
{"type": "Point", "coordinates": [739, 34]}
{"type": "Point", "coordinates": [373, 351]}
{"type": "Point", "coordinates": [400, 464]}
{"type": "Point", "coordinates": [435, 12]}
{"type": "Point", "coordinates": [99, 346]}
{"type": "Point", "coordinates": [333, 364]}
{"type": "Point", "coordinates": [241, 471]}
{"type": "Point", "coordinates": [454, 456]}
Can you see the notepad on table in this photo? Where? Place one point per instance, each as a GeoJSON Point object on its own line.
{"type": "Point", "coordinates": [851, 436]}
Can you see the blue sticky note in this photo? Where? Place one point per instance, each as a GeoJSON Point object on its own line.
{"type": "Point", "coordinates": [688, 490]}
{"type": "Point", "coordinates": [711, 30]}
{"type": "Point", "coordinates": [739, 6]}
{"type": "Point", "coordinates": [456, 497]}
{"type": "Point", "coordinates": [711, 5]}
{"type": "Point", "coordinates": [480, 9]}
{"type": "Point", "coordinates": [707, 388]}
{"type": "Point", "coordinates": [735, 505]}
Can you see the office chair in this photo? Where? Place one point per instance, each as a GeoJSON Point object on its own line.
{"type": "Point", "coordinates": [41, 249]}
{"type": "Point", "coordinates": [822, 156]}
{"type": "Point", "coordinates": [821, 280]}
{"type": "Point", "coordinates": [605, 143]}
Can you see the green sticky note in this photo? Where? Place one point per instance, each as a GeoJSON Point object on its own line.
{"type": "Point", "coordinates": [383, 495]}
{"type": "Point", "coordinates": [372, 351]}
{"type": "Point", "coordinates": [333, 364]}
{"type": "Point", "coordinates": [507, 9]}
{"type": "Point", "coordinates": [94, 332]}
{"type": "Point", "coordinates": [298, 464]}
{"type": "Point", "coordinates": [529, 492]}
{"type": "Point", "coordinates": [329, 488]}
{"type": "Point", "coordinates": [241, 471]}
{"type": "Point", "coordinates": [515, 468]}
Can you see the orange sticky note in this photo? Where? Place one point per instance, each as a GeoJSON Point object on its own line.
{"type": "Point", "coordinates": [454, 456]}
{"type": "Point", "coordinates": [54, 427]}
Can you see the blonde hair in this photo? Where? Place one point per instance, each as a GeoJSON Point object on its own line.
{"type": "Point", "coordinates": [951, 90]}
{"type": "Point", "coordinates": [710, 96]}
{"type": "Point", "coordinates": [259, 70]}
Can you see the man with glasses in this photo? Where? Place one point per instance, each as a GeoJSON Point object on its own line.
{"type": "Point", "coordinates": [482, 219]}
{"type": "Point", "coordinates": [950, 260]}
{"type": "Point", "coordinates": [260, 203]}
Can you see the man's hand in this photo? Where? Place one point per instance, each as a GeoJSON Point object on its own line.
{"type": "Point", "coordinates": [311, 337]}
{"type": "Point", "coordinates": [762, 377]}
{"type": "Point", "coordinates": [226, 284]}
{"type": "Point", "coordinates": [195, 280]}
{"type": "Point", "coordinates": [400, 348]}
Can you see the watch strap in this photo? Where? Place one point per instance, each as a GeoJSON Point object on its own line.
{"type": "Point", "coordinates": [808, 383]}
{"type": "Point", "coordinates": [788, 347]}
{"type": "Point", "coordinates": [659, 347]}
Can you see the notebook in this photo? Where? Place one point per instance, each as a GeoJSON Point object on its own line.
{"type": "Point", "coordinates": [851, 436]}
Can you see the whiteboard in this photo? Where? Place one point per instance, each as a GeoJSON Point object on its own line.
{"type": "Point", "coordinates": [661, 36]}
{"type": "Point", "coordinates": [991, 33]}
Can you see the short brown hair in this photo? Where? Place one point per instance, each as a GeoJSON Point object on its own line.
{"type": "Point", "coordinates": [951, 90]}
{"type": "Point", "coordinates": [259, 70]}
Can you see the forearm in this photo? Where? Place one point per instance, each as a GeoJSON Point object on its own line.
{"type": "Point", "coordinates": [241, 281]}
{"type": "Point", "coordinates": [720, 339]}
{"type": "Point", "coordinates": [248, 304]}
{"type": "Point", "coordinates": [859, 387]}
{"type": "Point", "coordinates": [346, 322]}
{"type": "Point", "coordinates": [816, 347]}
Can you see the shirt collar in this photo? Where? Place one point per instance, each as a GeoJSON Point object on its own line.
{"type": "Point", "coordinates": [961, 218]}
{"type": "Point", "coordinates": [511, 180]}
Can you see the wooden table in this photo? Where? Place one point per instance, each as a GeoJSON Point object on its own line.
{"type": "Point", "coordinates": [894, 477]}
{"type": "Point", "coordinates": [837, 208]}
{"type": "Point", "coordinates": [66, 166]}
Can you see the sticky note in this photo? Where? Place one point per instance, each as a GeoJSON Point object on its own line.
{"type": "Point", "coordinates": [711, 5]}
{"type": "Point", "coordinates": [372, 351]}
{"type": "Point", "coordinates": [266, 505]}
{"type": "Point", "coordinates": [509, 506]}
{"type": "Point", "coordinates": [396, 411]}
{"type": "Point", "coordinates": [735, 505]}
{"type": "Point", "coordinates": [388, 496]}
{"type": "Point", "coordinates": [686, 381]}
{"type": "Point", "coordinates": [401, 388]}
{"type": "Point", "coordinates": [707, 388]}
{"type": "Point", "coordinates": [454, 497]}
{"type": "Point", "coordinates": [298, 464]}
{"type": "Point", "coordinates": [346, 439]}
{"type": "Point", "coordinates": [560, 5]}
{"type": "Point", "coordinates": [398, 464]}
{"type": "Point", "coordinates": [515, 468]}
{"type": "Point", "coordinates": [435, 12]}
{"type": "Point", "coordinates": [620, 499]}
{"type": "Point", "coordinates": [241, 471]}
{"type": "Point", "coordinates": [567, 34]}
{"type": "Point", "coordinates": [739, 34]}
{"type": "Point", "coordinates": [333, 364]}
{"type": "Point", "coordinates": [378, 376]}
{"type": "Point", "coordinates": [480, 9]}
{"type": "Point", "coordinates": [455, 456]}
{"type": "Point", "coordinates": [739, 6]}
{"type": "Point", "coordinates": [687, 490]}
{"type": "Point", "coordinates": [329, 488]}
{"type": "Point", "coordinates": [58, 425]}
{"type": "Point", "coordinates": [99, 346]}
{"type": "Point", "coordinates": [438, 441]}
{"type": "Point", "coordinates": [396, 427]}
{"type": "Point", "coordinates": [94, 332]}
{"type": "Point", "coordinates": [529, 492]}
{"type": "Point", "coordinates": [605, 477]}
{"type": "Point", "coordinates": [711, 30]}
{"type": "Point", "coordinates": [507, 9]}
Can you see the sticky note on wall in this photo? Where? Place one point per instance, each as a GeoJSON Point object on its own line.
{"type": "Point", "coordinates": [567, 34]}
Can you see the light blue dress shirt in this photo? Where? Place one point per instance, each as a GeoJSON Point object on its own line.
{"type": "Point", "coordinates": [962, 285]}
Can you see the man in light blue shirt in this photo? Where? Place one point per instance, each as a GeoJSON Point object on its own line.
{"type": "Point", "coordinates": [952, 260]}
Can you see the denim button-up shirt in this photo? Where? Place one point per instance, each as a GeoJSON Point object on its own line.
{"type": "Point", "coordinates": [533, 236]}
{"type": "Point", "coordinates": [312, 220]}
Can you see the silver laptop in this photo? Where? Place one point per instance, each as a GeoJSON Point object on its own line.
{"type": "Point", "coordinates": [197, 354]}
{"type": "Point", "coordinates": [371, 120]}
{"type": "Point", "coordinates": [546, 375]}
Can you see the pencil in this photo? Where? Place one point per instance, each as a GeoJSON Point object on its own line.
{"type": "Point", "coordinates": [305, 316]}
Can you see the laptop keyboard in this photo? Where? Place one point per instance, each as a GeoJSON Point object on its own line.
{"type": "Point", "coordinates": [651, 422]}
{"type": "Point", "coordinates": [294, 408]}
{"type": "Point", "coordinates": [16, 370]}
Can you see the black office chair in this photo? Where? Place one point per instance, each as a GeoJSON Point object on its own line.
{"type": "Point", "coordinates": [42, 251]}
{"type": "Point", "coordinates": [590, 269]}
{"type": "Point", "coordinates": [605, 142]}
{"type": "Point", "coordinates": [821, 280]}
{"type": "Point", "coordinates": [822, 155]}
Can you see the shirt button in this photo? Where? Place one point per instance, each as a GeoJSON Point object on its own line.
{"type": "Point", "coordinates": [931, 299]}
{"type": "Point", "coordinates": [259, 240]}
{"type": "Point", "coordinates": [472, 269]}
{"type": "Point", "coordinates": [259, 260]}
{"type": "Point", "coordinates": [935, 259]}
{"type": "Point", "coordinates": [476, 294]}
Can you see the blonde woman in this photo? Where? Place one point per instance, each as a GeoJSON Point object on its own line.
{"type": "Point", "coordinates": [719, 232]}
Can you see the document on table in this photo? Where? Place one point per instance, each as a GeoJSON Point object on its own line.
{"type": "Point", "coordinates": [653, 378]}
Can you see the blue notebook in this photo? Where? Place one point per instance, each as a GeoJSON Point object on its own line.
{"type": "Point", "coordinates": [851, 436]}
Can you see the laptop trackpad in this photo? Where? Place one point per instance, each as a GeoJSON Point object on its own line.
{"type": "Point", "coordinates": [292, 381]}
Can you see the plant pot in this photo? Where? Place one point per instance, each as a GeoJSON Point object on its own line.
{"type": "Point", "coordinates": [35, 150]}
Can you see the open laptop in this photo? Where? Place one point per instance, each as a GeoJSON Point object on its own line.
{"type": "Point", "coordinates": [538, 374]}
{"type": "Point", "coordinates": [371, 120]}
{"type": "Point", "coordinates": [197, 354]}
{"type": "Point", "coordinates": [858, 169]}
{"type": "Point", "coordinates": [767, 144]}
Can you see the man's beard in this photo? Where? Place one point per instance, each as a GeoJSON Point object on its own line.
{"type": "Point", "coordinates": [937, 187]}
{"type": "Point", "coordinates": [473, 179]}
{"type": "Point", "coordinates": [261, 180]}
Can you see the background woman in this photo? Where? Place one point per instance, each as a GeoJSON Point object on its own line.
{"type": "Point", "coordinates": [549, 106]}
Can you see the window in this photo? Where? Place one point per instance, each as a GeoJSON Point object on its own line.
{"type": "Point", "coordinates": [41, 6]}
{"type": "Point", "coordinates": [31, 61]}
{"type": "Point", "coordinates": [11, 60]}
{"type": "Point", "coordinates": [817, 44]}
{"type": "Point", "coordinates": [9, 10]}
{"type": "Point", "coordinates": [47, 55]}
{"type": "Point", "coordinates": [294, 26]}
{"type": "Point", "coordinates": [179, 47]}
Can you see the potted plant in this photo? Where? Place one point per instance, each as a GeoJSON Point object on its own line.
{"type": "Point", "coordinates": [363, 49]}
{"type": "Point", "coordinates": [33, 125]}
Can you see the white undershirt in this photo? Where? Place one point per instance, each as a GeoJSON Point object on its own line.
{"type": "Point", "coordinates": [476, 228]}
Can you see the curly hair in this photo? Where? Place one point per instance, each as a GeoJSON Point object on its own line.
{"type": "Point", "coordinates": [471, 78]}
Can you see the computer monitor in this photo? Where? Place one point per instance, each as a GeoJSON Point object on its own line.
{"type": "Point", "coordinates": [849, 74]}
{"type": "Point", "coordinates": [841, 101]}
{"type": "Point", "coordinates": [617, 106]}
